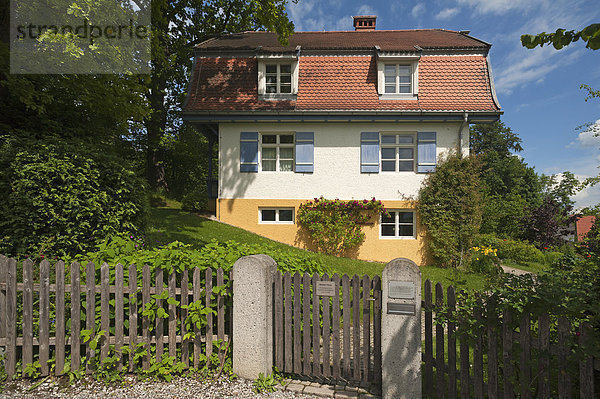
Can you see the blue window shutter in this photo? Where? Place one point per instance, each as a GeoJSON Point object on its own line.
{"type": "Point", "coordinates": [249, 152]}
{"type": "Point", "coordinates": [426, 152]}
{"type": "Point", "coordinates": [369, 152]}
{"type": "Point", "coordinates": [305, 152]}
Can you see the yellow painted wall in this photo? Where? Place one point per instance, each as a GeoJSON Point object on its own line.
{"type": "Point", "coordinates": [244, 213]}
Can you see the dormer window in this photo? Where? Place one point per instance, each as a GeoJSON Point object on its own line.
{"type": "Point", "coordinates": [277, 78]}
{"type": "Point", "coordinates": [397, 77]}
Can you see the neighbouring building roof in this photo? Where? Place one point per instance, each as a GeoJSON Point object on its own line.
{"type": "Point", "coordinates": [583, 226]}
{"type": "Point", "coordinates": [456, 79]}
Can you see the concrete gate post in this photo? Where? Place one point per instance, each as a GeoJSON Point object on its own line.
{"type": "Point", "coordinates": [401, 330]}
{"type": "Point", "coordinates": [253, 278]}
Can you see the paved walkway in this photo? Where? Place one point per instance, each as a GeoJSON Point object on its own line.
{"type": "Point", "coordinates": [331, 391]}
{"type": "Point", "coordinates": [512, 270]}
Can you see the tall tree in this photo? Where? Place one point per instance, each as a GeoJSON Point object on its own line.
{"type": "Point", "coordinates": [177, 26]}
{"type": "Point", "coordinates": [508, 184]}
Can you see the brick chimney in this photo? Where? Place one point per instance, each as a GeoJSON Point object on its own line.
{"type": "Point", "coordinates": [364, 22]}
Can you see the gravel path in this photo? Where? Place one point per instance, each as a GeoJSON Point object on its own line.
{"type": "Point", "coordinates": [176, 389]}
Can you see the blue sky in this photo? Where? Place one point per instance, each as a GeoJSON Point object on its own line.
{"type": "Point", "coordinates": [537, 89]}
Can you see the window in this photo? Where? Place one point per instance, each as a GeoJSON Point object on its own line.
{"type": "Point", "coordinates": [278, 78]}
{"type": "Point", "coordinates": [399, 224]}
{"type": "Point", "coordinates": [398, 79]}
{"type": "Point", "coordinates": [277, 152]}
{"type": "Point", "coordinates": [397, 153]}
{"type": "Point", "coordinates": [276, 215]}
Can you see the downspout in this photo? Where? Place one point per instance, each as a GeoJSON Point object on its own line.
{"type": "Point", "coordinates": [460, 129]}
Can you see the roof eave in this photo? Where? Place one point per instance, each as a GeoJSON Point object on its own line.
{"type": "Point", "coordinates": [474, 116]}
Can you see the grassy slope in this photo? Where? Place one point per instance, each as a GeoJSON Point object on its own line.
{"type": "Point", "coordinates": [170, 224]}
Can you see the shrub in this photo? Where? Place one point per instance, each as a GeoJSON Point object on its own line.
{"type": "Point", "coordinates": [336, 226]}
{"type": "Point", "coordinates": [484, 259]}
{"type": "Point", "coordinates": [64, 198]}
{"type": "Point", "coordinates": [518, 251]}
{"type": "Point", "coordinates": [196, 201]}
{"type": "Point", "coordinates": [178, 256]}
{"type": "Point", "coordinates": [450, 206]}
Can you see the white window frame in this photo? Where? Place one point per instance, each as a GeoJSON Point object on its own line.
{"type": "Point", "coordinates": [396, 146]}
{"type": "Point", "coordinates": [397, 224]}
{"type": "Point", "coordinates": [277, 210]}
{"type": "Point", "coordinates": [263, 61]}
{"type": "Point", "coordinates": [412, 61]}
{"type": "Point", "coordinates": [277, 145]}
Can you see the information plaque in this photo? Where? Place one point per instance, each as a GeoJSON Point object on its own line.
{"type": "Point", "coordinates": [325, 288]}
{"type": "Point", "coordinates": [401, 290]}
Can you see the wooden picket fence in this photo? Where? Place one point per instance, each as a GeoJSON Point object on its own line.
{"type": "Point", "coordinates": [527, 363]}
{"type": "Point", "coordinates": [333, 335]}
{"type": "Point", "coordinates": [31, 332]}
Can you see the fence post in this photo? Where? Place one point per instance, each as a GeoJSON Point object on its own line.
{"type": "Point", "coordinates": [401, 330]}
{"type": "Point", "coordinates": [253, 278]}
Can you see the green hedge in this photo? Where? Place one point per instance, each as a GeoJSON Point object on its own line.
{"type": "Point", "coordinates": [63, 198]}
{"type": "Point", "coordinates": [518, 251]}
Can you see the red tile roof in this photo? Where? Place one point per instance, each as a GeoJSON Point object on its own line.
{"type": "Point", "coordinates": [387, 40]}
{"type": "Point", "coordinates": [228, 84]}
{"type": "Point", "coordinates": [583, 226]}
{"type": "Point", "coordinates": [448, 83]}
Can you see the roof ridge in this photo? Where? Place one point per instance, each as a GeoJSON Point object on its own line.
{"type": "Point", "coordinates": [357, 32]}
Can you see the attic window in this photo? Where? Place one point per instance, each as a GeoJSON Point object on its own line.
{"type": "Point", "coordinates": [397, 77]}
{"type": "Point", "coordinates": [277, 78]}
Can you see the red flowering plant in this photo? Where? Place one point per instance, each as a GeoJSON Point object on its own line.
{"type": "Point", "coordinates": [336, 226]}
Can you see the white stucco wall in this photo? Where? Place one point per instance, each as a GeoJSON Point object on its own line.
{"type": "Point", "coordinates": [336, 162]}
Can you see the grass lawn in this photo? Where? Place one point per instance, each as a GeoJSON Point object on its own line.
{"type": "Point", "coordinates": [169, 224]}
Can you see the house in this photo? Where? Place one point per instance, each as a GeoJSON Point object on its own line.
{"type": "Point", "coordinates": [583, 225]}
{"type": "Point", "coordinates": [346, 114]}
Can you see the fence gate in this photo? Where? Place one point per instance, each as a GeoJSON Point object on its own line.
{"type": "Point", "coordinates": [328, 328]}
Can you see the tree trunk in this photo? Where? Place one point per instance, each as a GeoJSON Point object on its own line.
{"type": "Point", "coordinates": [155, 127]}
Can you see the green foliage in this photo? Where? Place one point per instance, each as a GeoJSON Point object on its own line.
{"type": "Point", "coordinates": [450, 207]}
{"type": "Point", "coordinates": [484, 260]}
{"type": "Point", "coordinates": [502, 214]}
{"type": "Point", "coordinates": [508, 184]}
{"type": "Point", "coordinates": [518, 251]}
{"type": "Point", "coordinates": [178, 256]}
{"type": "Point", "coordinates": [195, 201]}
{"type": "Point", "coordinates": [591, 93]}
{"type": "Point", "coordinates": [561, 38]}
{"type": "Point", "coordinates": [494, 138]}
{"type": "Point", "coordinates": [186, 154]}
{"type": "Point", "coordinates": [3, 375]}
{"type": "Point", "coordinates": [33, 370]}
{"type": "Point", "coordinates": [62, 199]}
{"type": "Point", "coordinates": [336, 226]}
{"type": "Point", "coordinates": [264, 384]}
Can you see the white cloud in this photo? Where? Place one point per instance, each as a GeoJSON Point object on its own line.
{"type": "Point", "coordinates": [309, 15]}
{"type": "Point", "coordinates": [497, 6]}
{"type": "Point", "coordinates": [589, 137]}
{"type": "Point", "coordinates": [366, 10]}
{"type": "Point", "coordinates": [589, 196]}
{"type": "Point", "coordinates": [446, 13]}
{"type": "Point", "coordinates": [525, 66]}
{"type": "Point", "coordinates": [418, 10]}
